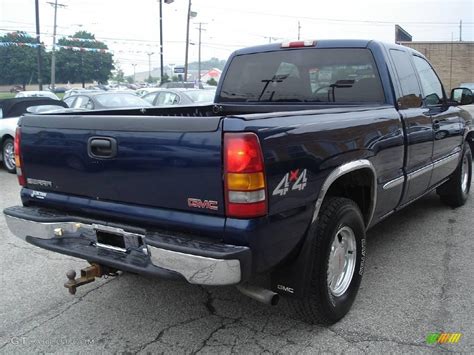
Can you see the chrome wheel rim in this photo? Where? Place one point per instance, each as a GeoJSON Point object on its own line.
{"type": "Point", "coordinates": [464, 174]}
{"type": "Point", "coordinates": [342, 260]}
{"type": "Point", "coordinates": [9, 156]}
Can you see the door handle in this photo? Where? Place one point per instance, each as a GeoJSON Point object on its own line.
{"type": "Point", "coordinates": [102, 147]}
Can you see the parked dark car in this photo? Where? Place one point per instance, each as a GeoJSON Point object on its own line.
{"type": "Point", "coordinates": [271, 188]}
{"type": "Point", "coordinates": [167, 97]}
{"type": "Point", "coordinates": [101, 100]}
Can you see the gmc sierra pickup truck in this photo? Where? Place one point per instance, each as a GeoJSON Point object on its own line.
{"type": "Point", "coordinates": [272, 188]}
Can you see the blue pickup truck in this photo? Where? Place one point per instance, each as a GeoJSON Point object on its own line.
{"type": "Point", "coordinates": [271, 188]}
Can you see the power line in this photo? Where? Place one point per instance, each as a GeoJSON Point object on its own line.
{"type": "Point", "coordinates": [332, 19]}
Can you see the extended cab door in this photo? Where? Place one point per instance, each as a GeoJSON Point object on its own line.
{"type": "Point", "coordinates": [447, 128]}
{"type": "Point", "coordinates": [417, 124]}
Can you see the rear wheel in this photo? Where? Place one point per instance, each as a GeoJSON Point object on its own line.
{"type": "Point", "coordinates": [338, 252]}
{"type": "Point", "coordinates": [456, 190]}
{"type": "Point", "coordinates": [8, 154]}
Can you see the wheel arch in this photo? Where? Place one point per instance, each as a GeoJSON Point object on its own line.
{"type": "Point", "coordinates": [470, 140]}
{"type": "Point", "coordinates": [360, 173]}
{"type": "Point", "coordinates": [2, 141]}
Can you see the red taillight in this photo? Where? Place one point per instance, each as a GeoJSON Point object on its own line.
{"type": "Point", "coordinates": [17, 148]}
{"type": "Point", "coordinates": [244, 176]}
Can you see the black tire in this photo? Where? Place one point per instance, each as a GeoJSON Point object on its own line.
{"type": "Point", "coordinates": [320, 304]}
{"type": "Point", "coordinates": [8, 163]}
{"type": "Point", "coordinates": [455, 191]}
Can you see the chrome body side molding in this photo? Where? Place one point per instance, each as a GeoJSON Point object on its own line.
{"type": "Point", "coordinates": [343, 170]}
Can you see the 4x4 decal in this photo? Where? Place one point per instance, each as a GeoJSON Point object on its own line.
{"type": "Point", "coordinates": [294, 176]}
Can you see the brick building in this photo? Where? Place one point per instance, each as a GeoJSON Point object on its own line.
{"type": "Point", "coordinates": [453, 61]}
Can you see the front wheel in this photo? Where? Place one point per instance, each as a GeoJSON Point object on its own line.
{"type": "Point", "coordinates": [8, 154]}
{"type": "Point", "coordinates": [338, 252]}
{"type": "Point", "coordinates": [455, 191]}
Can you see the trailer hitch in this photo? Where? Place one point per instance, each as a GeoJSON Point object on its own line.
{"type": "Point", "coordinates": [88, 275]}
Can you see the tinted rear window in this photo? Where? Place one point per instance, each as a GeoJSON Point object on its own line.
{"type": "Point", "coordinates": [307, 75]}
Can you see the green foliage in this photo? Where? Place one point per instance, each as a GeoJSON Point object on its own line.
{"type": "Point", "coordinates": [19, 63]}
{"type": "Point", "coordinates": [151, 80]}
{"type": "Point", "coordinates": [129, 79]}
{"type": "Point", "coordinates": [212, 82]}
{"type": "Point", "coordinates": [118, 76]}
{"type": "Point", "coordinates": [80, 66]}
{"type": "Point", "coordinates": [165, 78]}
{"type": "Point", "coordinates": [208, 64]}
{"type": "Point", "coordinates": [174, 78]}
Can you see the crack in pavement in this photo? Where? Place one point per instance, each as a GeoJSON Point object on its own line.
{"type": "Point", "coordinates": [78, 300]}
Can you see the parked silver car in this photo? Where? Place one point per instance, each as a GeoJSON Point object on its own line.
{"type": "Point", "coordinates": [167, 97]}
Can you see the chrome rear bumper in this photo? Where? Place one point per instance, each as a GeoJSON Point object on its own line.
{"type": "Point", "coordinates": [184, 257]}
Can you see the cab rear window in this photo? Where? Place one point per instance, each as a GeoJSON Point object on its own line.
{"type": "Point", "coordinates": [308, 75]}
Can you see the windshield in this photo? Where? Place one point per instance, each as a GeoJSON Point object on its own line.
{"type": "Point", "coordinates": [121, 100]}
{"type": "Point", "coordinates": [308, 75]}
{"type": "Point", "coordinates": [201, 95]}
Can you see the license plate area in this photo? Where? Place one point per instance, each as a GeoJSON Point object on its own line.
{"type": "Point", "coordinates": [118, 240]}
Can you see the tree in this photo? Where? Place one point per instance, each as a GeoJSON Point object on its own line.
{"type": "Point", "coordinates": [151, 80]}
{"type": "Point", "coordinates": [212, 82]}
{"type": "Point", "coordinates": [118, 76]}
{"type": "Point", "coordinates": [165, 78]}
{"type": "Point", "coordinates": [18, 58]}
{"type": "Point", "coordinates": [82, 59]}
{"type": "Point", "coordinates": [208, 64]}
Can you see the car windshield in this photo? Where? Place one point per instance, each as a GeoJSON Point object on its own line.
{"type": "Point", "coordinates": [308, 75]}
{"type": "Point", "coordinates": [201, 95]}
{"type": "Point", "coordinates": [121, 100]}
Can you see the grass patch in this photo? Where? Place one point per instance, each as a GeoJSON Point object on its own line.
{"type": "Point", "coordinates": [6, 95]}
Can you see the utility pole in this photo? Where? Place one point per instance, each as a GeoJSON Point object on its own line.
{"type": "Point", "coordinates": [53, 52]}
{"type": "Point", "coordinates": [187, 42]}
{"type": "Point", "coordinates": [460, 30]}
{"type": "Point", "coordinates": [38, 43]}
{"type": "Point", "coordinates": [134, 65]}
{"type": "Point", "coordinates": [149, 54]}
{"type": "Point", "coordinates": [299, 30]}
{"type": "Point", "coordinates": [199, 50]}
{"type": "Point", "coordinates": [161, 37]}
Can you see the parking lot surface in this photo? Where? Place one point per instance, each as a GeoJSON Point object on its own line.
{"type": "Point", "coordinates": [418, 280]}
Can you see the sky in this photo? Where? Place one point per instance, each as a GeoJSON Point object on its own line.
{"type": "Point", "coordinates": [131, 28]}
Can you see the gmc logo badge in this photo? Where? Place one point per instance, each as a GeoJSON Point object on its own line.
{"type": "Point", "coordinates": [285, 288]}
{"type": "Point", "coordinates": [206, 204]}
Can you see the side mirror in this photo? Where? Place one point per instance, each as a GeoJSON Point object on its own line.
{"type": "Point", "coordinates": [462, 96]}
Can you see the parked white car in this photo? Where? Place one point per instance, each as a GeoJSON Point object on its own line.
{"type": "Point", "coordinates": [37, 94]}
{"type": "Point", "coordinates": [10, 112]}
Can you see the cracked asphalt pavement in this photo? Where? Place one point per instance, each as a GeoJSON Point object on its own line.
{"type": "Point", "coordinates": [418, 280]}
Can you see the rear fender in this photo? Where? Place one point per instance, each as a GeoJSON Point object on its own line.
{"type": "Point", "coordinates": [291, 279]}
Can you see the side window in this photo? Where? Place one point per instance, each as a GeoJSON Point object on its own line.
{"type": "Point", "coordinates": [167, 98]}
{"type": "Point", "coordinates": [81, 102]}
{"type": "Point", "coordinates": [411, 93]}
{"type": "Point", "coordinates": [150, 98]}
{"type": "Point", "coordinates": [432, 88]}
{"type": "Point", "coordinates": [69, 101]}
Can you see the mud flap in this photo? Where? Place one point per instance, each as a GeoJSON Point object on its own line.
{"type": "Point", "coordinates": [292, 278]}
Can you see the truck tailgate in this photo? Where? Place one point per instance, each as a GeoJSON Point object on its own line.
{"type": "Point", "coordinates": [166, 162]}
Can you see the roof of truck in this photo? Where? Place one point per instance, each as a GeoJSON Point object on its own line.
{"type": "Point", "coordinates": [323, 43]}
